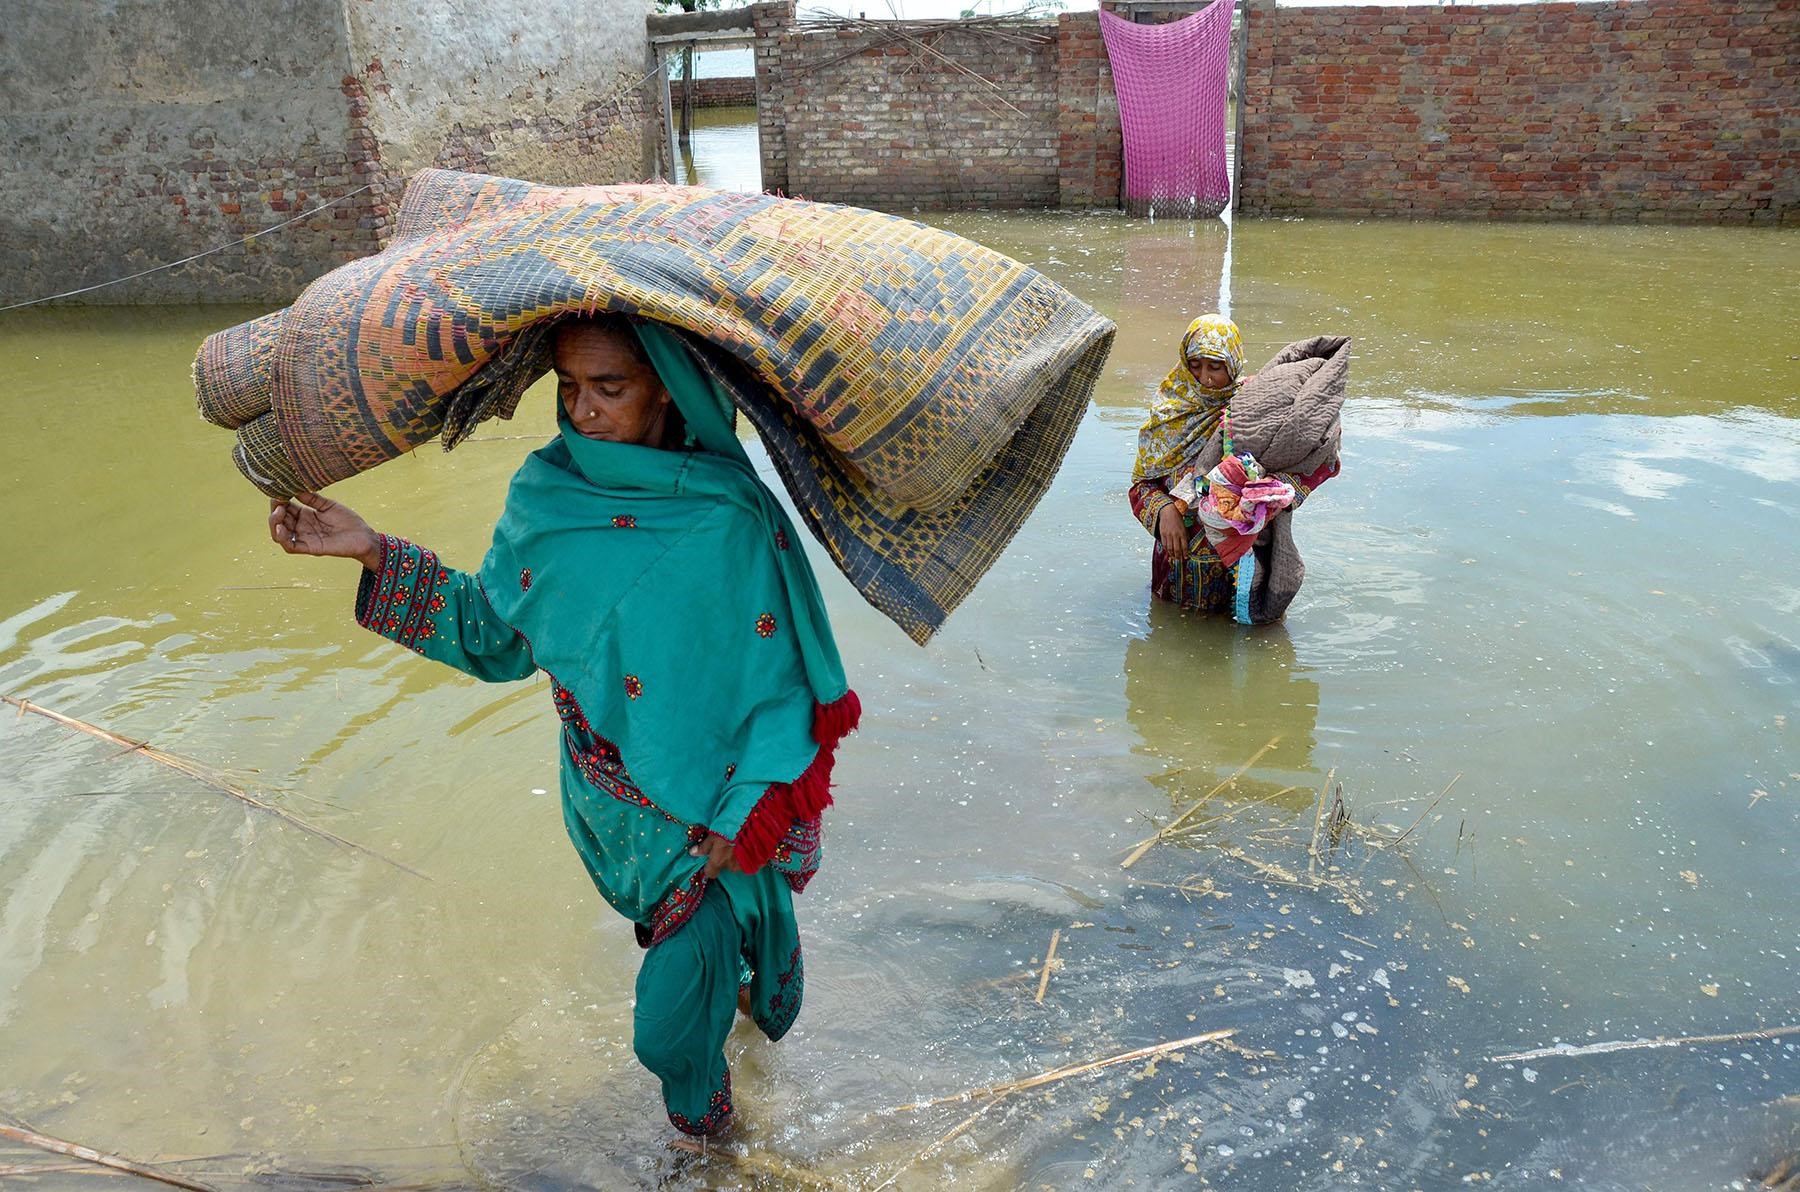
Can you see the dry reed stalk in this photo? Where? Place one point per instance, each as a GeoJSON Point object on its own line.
{"type": "Point", "coordinates": [1198, 885]}
{"type": "Point", "coordinates": [1428, 810]}
{"type": "Point", "coordinates": [75, 1150]}
{"type": "Point", "coordinates": [790, 1174]}
{"type": "Point", "coordinates": [1226, 817]}
{"type": "Point", "coordinates": [201, 774]}
{"type": "Point", "coordinates": [1056, 1074]}
{"type": "Point", "coordinates": [1163, 832]}
{"type": "Point", "coordinates": [1562, 1050]}
{"type": "Point", "coordinates": [1049, 960]}
{"type": "Point", "coordinates": [948, 1136]}
{"type": "Point", "coordinates": [1271, 872]}
{"type": "Point", "coordinates": [1312, 849]}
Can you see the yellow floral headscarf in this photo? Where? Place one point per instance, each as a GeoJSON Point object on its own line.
{"type": "Point", "coordinates": [1185, 412]}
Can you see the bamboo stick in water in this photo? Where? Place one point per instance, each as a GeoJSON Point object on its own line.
{"type": "Point", "coordinates": [203, 775]}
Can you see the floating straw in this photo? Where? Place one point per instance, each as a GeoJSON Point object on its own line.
{"type": "Point", "coordinates": [1564, 1049]}
{"type": "Point", "coordinates": [76, 1151]}
{"type": "Point", "coordinates": [1049, 960]}
{"type": "Point", "coordinates": [1056, 1074]}
{"type": "Point", "coordinates": [1163, 832]}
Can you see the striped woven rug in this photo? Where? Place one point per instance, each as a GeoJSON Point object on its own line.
{"type": "Point", "coordinates": [916, 391]}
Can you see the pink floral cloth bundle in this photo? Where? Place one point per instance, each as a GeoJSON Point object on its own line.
{"type": "Point", "coordinates": [1237, 502]}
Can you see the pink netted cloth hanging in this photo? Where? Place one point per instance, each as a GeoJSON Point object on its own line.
{"type": "Point", "coordinates": [1171, 81]}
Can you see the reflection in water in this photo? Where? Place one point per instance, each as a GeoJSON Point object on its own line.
{"type": "Point", "coordinates": [718, 154]}
{"type": "Point", "coordinates": [1206, 694]}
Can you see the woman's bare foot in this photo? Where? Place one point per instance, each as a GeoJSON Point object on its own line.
{"type": "Point", "coordinates": [744, 1000]}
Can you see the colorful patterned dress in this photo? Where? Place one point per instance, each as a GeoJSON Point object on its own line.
{"type": "Point", "coordinates": [1201, 581]}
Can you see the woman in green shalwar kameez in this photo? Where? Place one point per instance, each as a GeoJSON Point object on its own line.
{"type": "Point", "coordinates": [642, 565]}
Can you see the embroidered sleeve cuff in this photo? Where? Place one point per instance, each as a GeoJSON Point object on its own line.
{"type": "Point", "coordinates": [1150, 510]}
{"type": "Point", "coordinates": [399, 598]}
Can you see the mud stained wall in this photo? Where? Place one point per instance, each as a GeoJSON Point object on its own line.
{"type": "Point", "coordinates": [142, 131]}
{"type": "Point", "coordinates": [553, 91]}
{"type": "Point", "coordinates": [1654, 110]}
{"type": "Point", "coordinates": [137, 133]}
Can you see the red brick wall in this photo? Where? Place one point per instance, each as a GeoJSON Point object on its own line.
{"type": "Point", "coordinates": [943, 117]}
{"type": "Point", "coordinates": [1660, 109]}
{"type": "Point", "coordinates": [1091, 155]}
{"type": "Point", "coordinates": [717, 93]}
{"type": "Point", "coordinates": [888, 120]}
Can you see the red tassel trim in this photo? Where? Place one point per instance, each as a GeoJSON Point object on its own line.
{"type": "Point", "coordinates": [803, 798]}
{"type": "Point", "coordinates": [836, 720]}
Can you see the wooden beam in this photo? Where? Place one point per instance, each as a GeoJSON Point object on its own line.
{"type": "Point", "coordinates": [673, 158]}
{"type": "Point", "coordinates": [724, 39]}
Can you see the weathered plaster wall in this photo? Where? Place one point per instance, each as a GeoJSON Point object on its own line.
{"type": "Point", "coordinates": [141, 131]}
{"type": "Point", "coordinates": [1659, 109]}
{"type": "Point", "coordinates": [550, 90]}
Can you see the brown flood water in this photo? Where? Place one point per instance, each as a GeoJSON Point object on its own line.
{"type": "Point", "coordinates": [1559, 563]}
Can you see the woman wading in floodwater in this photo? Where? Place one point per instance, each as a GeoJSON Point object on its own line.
{"type": "Point", "coordinates": [1205, 499]}
{"type": "Point", "coordinates": [641, 564]}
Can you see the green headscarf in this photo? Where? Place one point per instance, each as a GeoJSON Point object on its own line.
{"type": "Point", "coordinates": [668, 595]}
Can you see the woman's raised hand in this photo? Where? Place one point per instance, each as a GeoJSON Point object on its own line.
{"type": "Point", "coordinates": [314, 525]}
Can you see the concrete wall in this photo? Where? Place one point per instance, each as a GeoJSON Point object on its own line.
{"type": "Point", "coordinates": [141, 131]}
{"type": "Point", "coordinates": [538, 89]}
{"type": "Point", "coordinates": [1664, 109]}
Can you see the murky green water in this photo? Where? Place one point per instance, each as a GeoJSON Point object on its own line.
{"type": "Point", "coordinates": [1559, 563]}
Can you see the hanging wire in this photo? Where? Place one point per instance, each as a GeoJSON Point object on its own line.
{"type": "Point", "coordinates": [195, 257]}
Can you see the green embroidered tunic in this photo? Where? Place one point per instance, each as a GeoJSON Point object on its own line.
{"type": "Point", "coordinates": [660, 592]}
{"type": "Point", "coordinates": [636, 854]}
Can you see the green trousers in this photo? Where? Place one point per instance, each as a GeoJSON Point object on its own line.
{"type": "Point", "coordinates": [687, 992]}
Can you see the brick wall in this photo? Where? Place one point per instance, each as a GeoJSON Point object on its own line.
{"type": "Point", "coordinates": [1662, 109]}
{"type": "Point", "coordinates": [940, 116]}
{"type": "Point", "coordinates": [717, 93]}
{"type": "Point", "coordinates": [1091, 156]}
{"type": "Point", "coordinates": [770, 21]}
{"type": "Point", "coordinates": [951, 116]}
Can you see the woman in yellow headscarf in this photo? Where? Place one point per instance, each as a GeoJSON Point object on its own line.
{"type": "Point", "coordinates": [1192, 402]}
